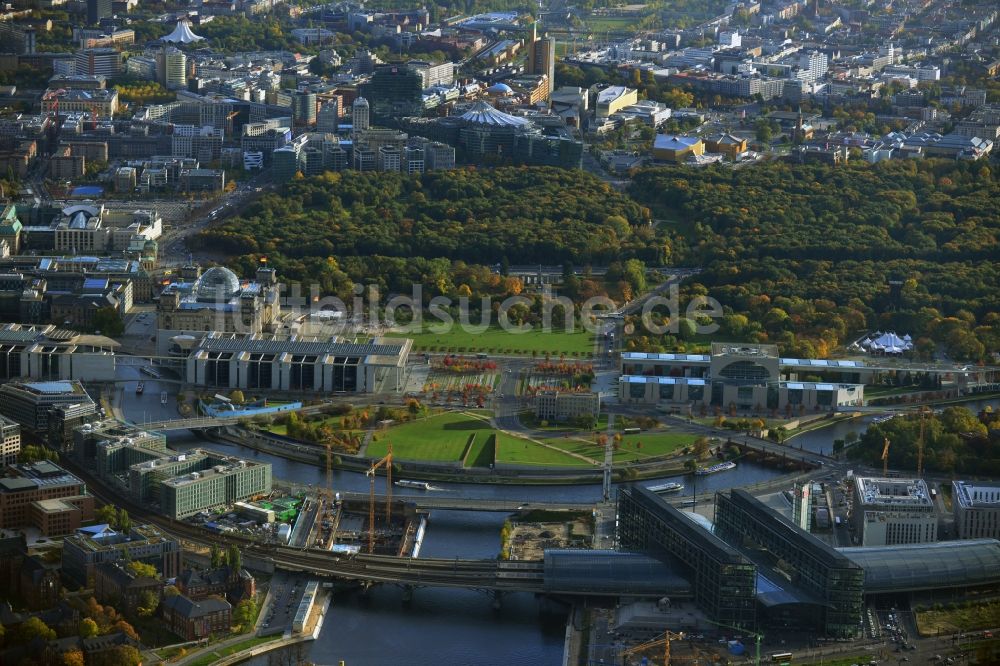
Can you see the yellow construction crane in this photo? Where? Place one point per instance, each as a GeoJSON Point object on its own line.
{"type": "Point", "coordinates": [387, 463]}
{"type": "Point", "coordinates": [663, 640]}
{"type": "Point", "coordinates": [885, 458]}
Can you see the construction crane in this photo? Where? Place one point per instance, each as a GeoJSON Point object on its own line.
{"type": "Point", "coordinates": [663, 640]}
{"type": "Point", "coordinates": [885, 458]}
{"type": "Point", "coordinates": [387, 463]}
{"type": "Point", "coordinates": [757, 638]}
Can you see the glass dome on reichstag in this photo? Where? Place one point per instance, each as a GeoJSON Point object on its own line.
{"type": "Point", "coordinates": [217, 284]}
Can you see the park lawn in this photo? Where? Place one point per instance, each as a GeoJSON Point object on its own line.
{"type": "Point", "coordinates": [578, 445]}
{"type": "Point", "coordinates": [441, 437]}
{"type": "Point", "coordinates": [654, 444]}
{"type": "Point", "coordinates": [498, 341]}
{"type": "Point", "coordinates": [518, 451]}
{"type": "Point", "coordinates": [482, 452]}
{"type": "Point", "coordinates": [613, 23]}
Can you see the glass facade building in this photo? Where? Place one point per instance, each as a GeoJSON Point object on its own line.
{"type": "Point", "coordinates": [723, 581]}
{"type": "Point", "coordinates": [835, 581]}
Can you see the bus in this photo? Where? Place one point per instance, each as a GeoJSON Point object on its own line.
{"type": "Point", "coordinates": [781, 658]}
{"type": "Point", "coordinates": [631, 431]}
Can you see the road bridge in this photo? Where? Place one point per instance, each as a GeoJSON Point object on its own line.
{"type": "Point", "coordinates": [453, 502]}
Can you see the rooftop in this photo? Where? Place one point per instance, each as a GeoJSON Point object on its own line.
{"type": "Point", "coordinates": [955, 564]}
{"type": "Point", "coordinates": [977, 494]}
{"type": "Point", "coordinates": [893, 493]}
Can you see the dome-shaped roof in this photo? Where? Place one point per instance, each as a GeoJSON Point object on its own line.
{"type": "Point", "coordinates": [500, 89]}
{"type": "Point", "coordinates": [482, 113]}
{"type": "Point", "coordinates": [217, 284]}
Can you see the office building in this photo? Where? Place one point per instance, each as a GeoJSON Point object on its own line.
{"type": "Point", "coordinates": [109, 448]}
{"type": "Point", "coordinates": [173, 68]}
{"type": "Point", "coordinates": [360, 116]}
{"type": "Point", "coordinates": [145, 475]}
{"type": "Point", "coordinates": [104, 61]}
{"type": "Point", "coordinates": [10, 441]}
{"type": "Point", "coordinates": [566, 406]}
{"type": "Point", "coordinates": [328, 117]}
{"type": "Point", "coordinates": [213, 488]}
{"type": "Point", "coordinates": [50, 353]}
{"type": "Point", "coordinates": [723, 581]}
{"type": "Point", "coordinates": [103, 103]}
{"type": "Point", "coordinates": [824, 589]}
{"type": "Point", "coordinates": [30, 404]}
{"type": "Point", "coordinates": [393, 92]}
{"type": "Point", "coordinates": [92, 546]}
{"type": "Point", "coordinates": [97, 10]}
{"type": "Point", "coordinates": [304, 108]}
{"type": "Point", "coordinates": [890, 512]}
{"type": "Point", "coordinates": [216, 300]}
{"type": "Point", "coordinates": [976, 505]}
{"type": "Point", "coordinates": [740, 376]}
{"type": "Point", "coordinates": [434, 75]}
{"type": "Point", "coordinates": [542, 57]}
{"type": "Point", "coordinates": [228, 361]}
{"type": "Point", "coordinates": [438, 156]}
{"type": "Point", "coordinates": [45, 496]}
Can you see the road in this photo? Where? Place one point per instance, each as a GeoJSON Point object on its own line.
{"type": "Point", "coordinates": [173, 249]}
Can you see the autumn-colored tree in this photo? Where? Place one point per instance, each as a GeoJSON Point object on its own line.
{"type": "Point", "coordinates": [72, 658]}
{"type": "Point", "coordinates": [87, 628]}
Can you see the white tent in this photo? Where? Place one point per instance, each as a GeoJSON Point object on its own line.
{"type": "Point", "coordinates": [888, 343]}
{"type": "Point", "coordinates": [182, 34]}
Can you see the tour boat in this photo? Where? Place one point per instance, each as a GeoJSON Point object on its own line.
{"type": "Point", "coordinates": [721, 467]}
{"type": "Point", "coordinates": [670, 487]}
{"type": "Point", "coordinates": [406, 483]}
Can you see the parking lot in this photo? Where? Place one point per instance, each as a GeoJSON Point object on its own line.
{"type": "Point", "coordinates": [286, 593]}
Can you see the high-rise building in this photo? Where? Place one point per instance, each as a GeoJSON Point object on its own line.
{"type": "Point", "coordinates": [328, 116]}
{"type": "Point", "coordinates": [394, 92]}
{"type": "Point", "coordinates": [97, 10]}
{"type": "Point", "coordinates": [10, 441]}
{"type": "Point", "coordinates": [304, 107]}
{"type": "Point", "coordinates": [360, 115]}
{"type": "Point", "coordinates": [174, 69]}
{"type": "Point", "coordinates": [542, 56]}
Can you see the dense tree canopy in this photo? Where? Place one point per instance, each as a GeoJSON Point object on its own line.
{"type": "Point", "coordinates": [440, 228]}
{"type": "Point", "coordinates": [807, 252]}
{"type": "Point", "coordinates": [956, 440]}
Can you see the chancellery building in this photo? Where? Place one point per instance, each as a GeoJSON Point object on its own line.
{"type": "Point", "coordinates": [740, 375]}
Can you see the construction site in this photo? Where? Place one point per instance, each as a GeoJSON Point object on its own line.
{"type": "Point", "coordinates": [379, 525]}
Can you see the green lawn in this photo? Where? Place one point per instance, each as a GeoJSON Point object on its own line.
{"type": "Point", "coordinates": [482, 452]}
{"type": "Point", "coordinates": [652, 445]}
{"type": "Point", "coordinates": [524, 452]}
{"type": "Point", "coordinates": [613, 23]}
{"type": "Point", "coordinates": [441, 437]}
{"type": "Point", "coordinates": [496, 340]}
